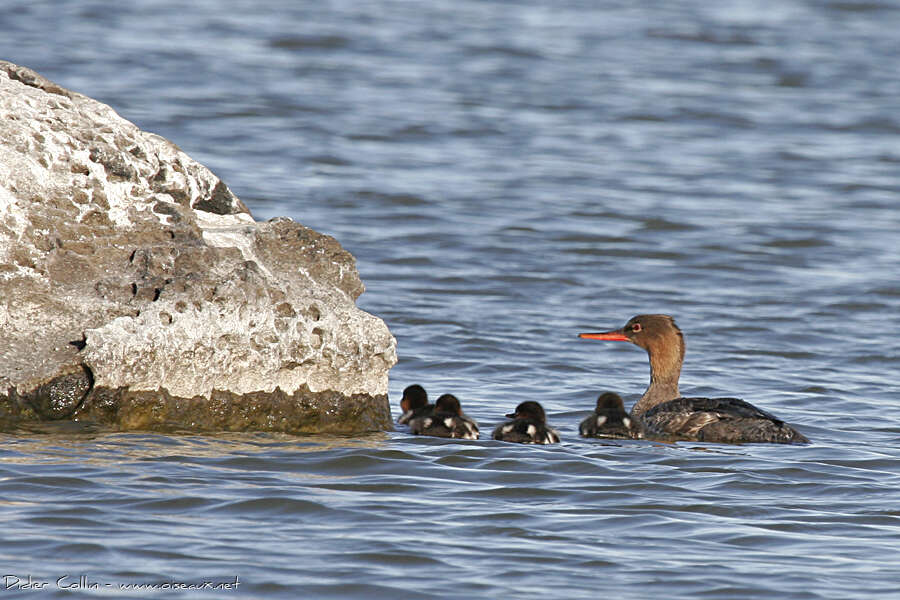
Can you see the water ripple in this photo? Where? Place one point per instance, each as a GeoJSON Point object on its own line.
{"type": "Point", "coordinates": [507, 175]}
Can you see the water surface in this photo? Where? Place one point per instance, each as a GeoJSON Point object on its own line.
{"type": "Point", "coordinates": [507, 175]}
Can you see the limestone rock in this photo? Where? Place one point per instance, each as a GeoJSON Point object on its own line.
{"type": "Point", "coordinates": [138, 292]}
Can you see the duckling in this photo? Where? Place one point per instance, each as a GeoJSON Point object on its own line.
{"type": "Point", "coordinates": [528, 426]}
{"type": "Point", "coordinates": [448, 420]}
{"type": "Point", "coordinates": [611, 420]}
{"type": "Point", "coordinates": [414, 404]}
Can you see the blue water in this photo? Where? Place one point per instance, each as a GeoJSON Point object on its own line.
{"type": "Point", "coordinates": [509, 174]}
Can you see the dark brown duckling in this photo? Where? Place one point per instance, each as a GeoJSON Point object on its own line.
{"type": "Point", "coordinates": [611, 420]}
{"type": "Point", "coordinates": [448, 420]}
{"type": "Point", "coordinates": [414, 404]}
{"type": "Point", "coordinates": [528, 426]}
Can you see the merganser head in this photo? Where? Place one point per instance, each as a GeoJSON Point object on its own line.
{"type": "Point", "coordinates": [664, 343]}
{"type": "Point", "coordinates": [657, 334]}
{"type": "Point", "coordinates": [448, 403]}
{"type": "Point", "coordinates": [414, 397]}
{"type": "Point", "coordinates": [529, 410]}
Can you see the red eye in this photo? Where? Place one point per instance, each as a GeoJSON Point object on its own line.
{"type": "Point", "coordinates": [635, 327]}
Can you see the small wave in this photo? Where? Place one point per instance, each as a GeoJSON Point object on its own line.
{"type": "Point", "coordinates": [310, 42]}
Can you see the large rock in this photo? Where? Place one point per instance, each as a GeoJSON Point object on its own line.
{"type": "Point", "coordinates": [138, 292]}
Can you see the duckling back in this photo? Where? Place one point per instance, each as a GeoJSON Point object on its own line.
{"type": "Point", "coordinates": [525, 431]}
{"type": "Point", "coordinates": [441, 424]}
{"type": "Point", "coordinates": [416, 413]}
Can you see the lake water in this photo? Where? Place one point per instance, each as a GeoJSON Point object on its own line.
{"type": "Point", "coordinates": [509, 174]}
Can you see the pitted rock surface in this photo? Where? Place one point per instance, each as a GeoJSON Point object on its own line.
{"type": "Point", "coordinates": [137, 291]}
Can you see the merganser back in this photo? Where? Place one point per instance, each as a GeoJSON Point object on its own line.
{"type": "Point", "coordinates": [414, 404]}
{"type": "Point", "coordinates": [528, 426]}
{"type": "Point", "coordinates": [666, 413]}
{"type": "Point", "coordinates": [448, 420]}
{"type": "Point", "coordinates": [610, 419]}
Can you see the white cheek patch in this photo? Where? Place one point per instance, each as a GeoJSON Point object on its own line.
{"type": "Point", "coordinates": [531, 430]}
{"type": "Point", "coordinates": [507, 428]}
{"type": "Point", "coordinates": [448, 422]}
{"type": "Point", "coordinates": [601, 421]}
{"type": "Point", "coordinates": [627, 422]}
{"type": "Point", "coordinates": [427, 423]}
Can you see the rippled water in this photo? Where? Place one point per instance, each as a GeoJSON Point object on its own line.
{"type": "Point", "coordinates": [509, 174]}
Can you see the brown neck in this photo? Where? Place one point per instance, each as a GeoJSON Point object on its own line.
{"type": "Point", "coordinates": [665, 369]}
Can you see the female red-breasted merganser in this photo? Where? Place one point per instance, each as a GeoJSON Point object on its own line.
{"type": "Point", "coordinates": [666, 413]}
{"type": "Point", "coordinates": [448, 420]}
{"type": "Point", "coordinates": [609, 419]}
{"type": "Point", "coordinates": [528, 426]}
{"type": "Point", "coordinates": [414, 404]}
